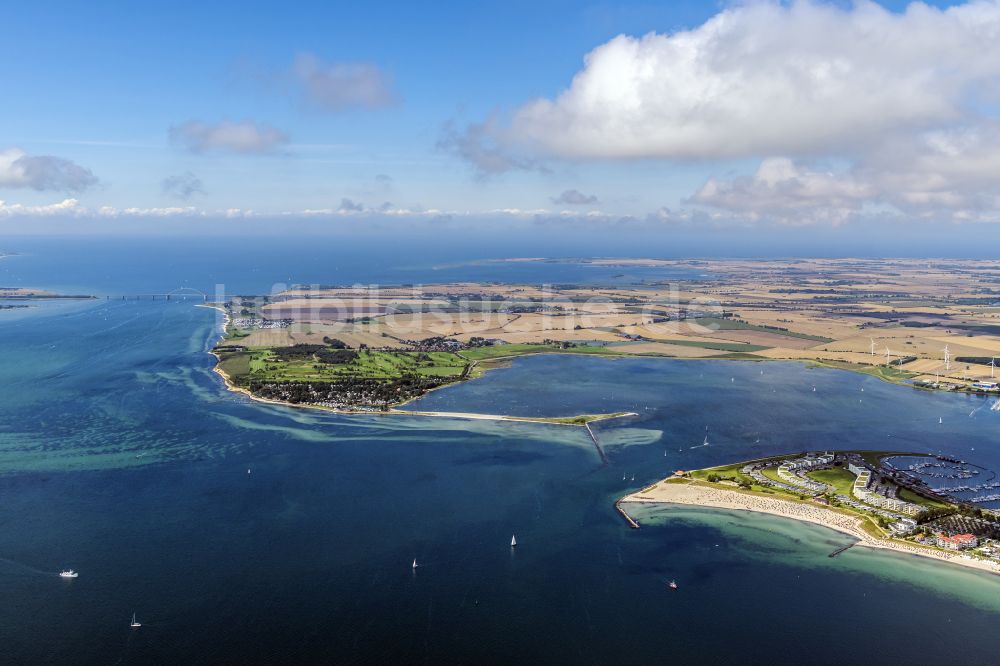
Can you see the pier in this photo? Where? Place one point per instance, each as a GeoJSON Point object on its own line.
{"type": "Point", "coordinates": [631, 521]}
{"type": "Point", "coordinates": [841, 549]}
{"type": "Point", "coordinates": [600, 451]}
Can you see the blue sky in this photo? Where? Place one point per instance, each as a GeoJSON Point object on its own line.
{"type": "Point", "coordinates": [413, 109]}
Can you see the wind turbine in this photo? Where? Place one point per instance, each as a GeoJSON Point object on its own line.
{"type": "Point", "coordinates": [873, 346]}
{"type": "Point", "coordinates": [947, 359]}
{"type": "Point", "coordinates": [888, 356]}
{"type": "Point", "coordinates": [993, 366]}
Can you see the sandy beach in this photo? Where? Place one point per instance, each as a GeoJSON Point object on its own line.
{"type": "Point", "coordinates": [697, 494]}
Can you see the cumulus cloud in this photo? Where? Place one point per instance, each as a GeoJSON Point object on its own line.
{"type": "Point", "coordinates": [575, 198]}
{"type": "Point", "coordinates": [764, 78]}
{"type": "Point", "coordinates": [342, 86]}
{"type": "Point", "coordinates": [949, 175]}
{"type": "Point", "coordinates": [182, 186]}
{"type": "Point", "coordinates": [903, 103]}
{"type": "Point", "coordinates": [243, 137]}
{"type": "Point", "coordinates": [770, 78]}
{"type": "Point", "coordinates": [786, 192]}
{"type": "Point", "coordinates": [42, 172]}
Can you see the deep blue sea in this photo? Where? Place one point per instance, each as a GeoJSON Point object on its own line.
{"type": "Point", "coordinates": [123, 457]}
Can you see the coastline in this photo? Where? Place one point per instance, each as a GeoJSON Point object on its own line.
{"type": "Point", "coordinates": [610, 353]}
{"type": "Point", "coordinates": [691, 493]}
{"type": "Point", "coordinates": [555, 420]}
{"type": "Point", "coordinates": [471, 416]}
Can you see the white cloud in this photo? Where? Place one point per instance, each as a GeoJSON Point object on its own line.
{"type": "Point", "coordinates": [903, 102]}
{"type": "Point", "coordinates": [951, 173]}
{"type": "Point", "coordinates": [789, 193]}
{"type": "Point", "coordinates": [949, 176]}
{"type": "Point", "coordinates": [342, 86]}
{"type": "Point", "coordinates": [243, 137]}
{"type": "Point", "coordinates": [42, 172]}
{"type": "Point", "coordinates": [767, 78]}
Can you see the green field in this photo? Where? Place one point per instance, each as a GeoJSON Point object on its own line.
{"type": "Point", "coordinates": [838, 477]}
{"type": "Point", "coordinates": [235, 365]}
{"type": "Point", "coordinates": [265, 366]}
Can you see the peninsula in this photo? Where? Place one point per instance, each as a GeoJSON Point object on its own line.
{"type": "Point", "coordinates": [876, 497]}
{"type": "Point", "coordinates": [930, 324]}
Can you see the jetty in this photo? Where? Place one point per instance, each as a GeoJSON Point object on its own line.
{"type": "Point", "coordinates": [629, 519]}
{"type": "Point", "coordinates": [597, 445]}
{"type": "Point", "coordinates": [841, 549]}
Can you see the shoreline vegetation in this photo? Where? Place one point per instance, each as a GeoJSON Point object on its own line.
{"type": "Point", "coordinates": [686, 489]}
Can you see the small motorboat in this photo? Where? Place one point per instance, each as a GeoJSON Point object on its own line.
{"type": "Point", "coordinates": [672, 585]}
{"type": "Point", "coordinates": [68, 573]}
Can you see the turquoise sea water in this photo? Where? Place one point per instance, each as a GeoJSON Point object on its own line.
{"type": "Point", "coordinates": [122, 456]}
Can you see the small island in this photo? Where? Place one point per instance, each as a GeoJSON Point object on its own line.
{"type": "Point", "coordinates": [878, 497]}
